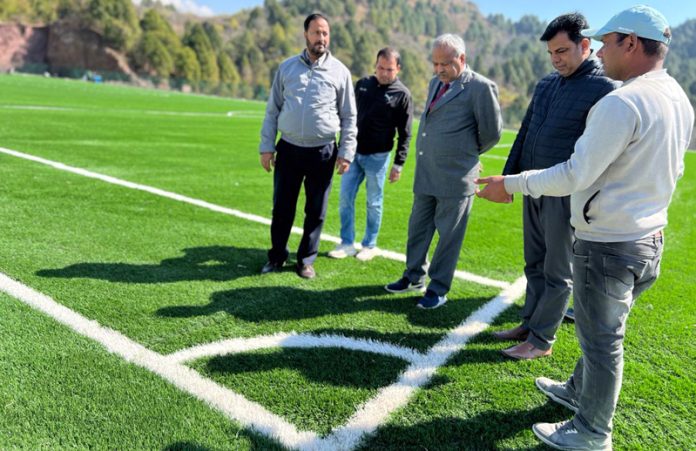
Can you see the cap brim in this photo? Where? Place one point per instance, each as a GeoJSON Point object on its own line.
{"type": "Point", "coordinates": [594, 33]}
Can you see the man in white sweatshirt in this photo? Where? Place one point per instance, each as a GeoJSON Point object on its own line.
{"type": "Point", "coordinates": [621, 178]}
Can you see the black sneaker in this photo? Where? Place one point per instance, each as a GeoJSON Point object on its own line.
{"type": "Point", "coordinates": [404, 285]}
{"type": "Point", "coordinates": [271, 267]}
{"type": "Point", "coordinates": [569, 315]}
{"type": "Point", "coordinates": [432, 300]}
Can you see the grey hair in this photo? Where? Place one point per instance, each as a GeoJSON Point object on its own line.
{"type": "Point", "coordinates": [451, 41]}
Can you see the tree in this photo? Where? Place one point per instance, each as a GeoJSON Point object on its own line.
{"type": "Point", "coordinates": [116, 20]}
{"type": "Point", "coordinates": [14, 9]}
{"type": "Point", "coordinates": [158, 46]}
{"type": "Point", "coordinates": [228, 71]}
{"type": "Point", "coordinates": [213, 33]}
{"type": "Point", "coordinates": [276, 14]}
{"type": "Point", "coordinates": [197, 39]}
{"type": "Point", "coordinates": [155, 55]}
{"type": "Point", "coordinates": [415, 74]}
{"type": "Point", "coordinates": [187, 67]}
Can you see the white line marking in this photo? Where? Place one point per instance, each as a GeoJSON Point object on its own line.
{"type": "Point", "coordinates": [374, 412]}
{"type": "Point", "coordinates": [458, 273]}
{"type": "Point", "coordinates": [233, 405]}
{"type": "Point", "coordinates": [494, 157]}
{"type": "Point", "coordinates": [220, 209]}
{"type": "Point", "coordinates": [239, 114]}
{"type": "Point", "coordinates": [363, 422]}
{"type": "Point", "coordinates": [292, 340]}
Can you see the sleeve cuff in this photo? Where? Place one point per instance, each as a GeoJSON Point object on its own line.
{"type": "Point", "coordinates": [513, 183]}
{"type": "Point", "coordinates": [398, 167]}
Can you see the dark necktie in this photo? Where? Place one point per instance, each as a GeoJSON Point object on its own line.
{"type": "Point", "coordinates": [439, 94]}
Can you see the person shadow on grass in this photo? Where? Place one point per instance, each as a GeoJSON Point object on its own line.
{"type": "Point", "coordinates": [488, 429]}
{"type": "Point", "coordinates": [287, 303]}
{"type": "Point", "coordinates": [214, 263]}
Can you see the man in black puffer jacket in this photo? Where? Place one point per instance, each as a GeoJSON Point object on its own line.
{"type": "Point", "coordinates": [555, 119]}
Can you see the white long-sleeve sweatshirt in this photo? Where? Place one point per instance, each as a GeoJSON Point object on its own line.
{"type": "Point", "coordinates": [626, 165]}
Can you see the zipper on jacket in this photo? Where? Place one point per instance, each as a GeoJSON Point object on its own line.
{"type": "Point", "coordinates": [304, 100]}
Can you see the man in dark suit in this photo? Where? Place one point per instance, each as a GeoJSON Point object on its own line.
{"type": "Point", "coordinates": [461, 121]}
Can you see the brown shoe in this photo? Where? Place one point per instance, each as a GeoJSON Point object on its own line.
{"type": "Point", "coordinates": [306, 271]}
{"type": "Point", "coordinates": [525, 351]}
{"type": "Point", "coordinates": [519, 333]}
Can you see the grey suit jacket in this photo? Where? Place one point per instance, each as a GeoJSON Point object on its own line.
{"type": "Point", "coordinates": [463, 124]}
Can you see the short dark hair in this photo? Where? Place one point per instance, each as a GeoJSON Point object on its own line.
{"type": "Point", "coordinates": [312, 17]}
{"type": "Point", "coordinates": [650, 46]}
{"type": "Point", "coordinates": [388, 53]}
{"type": "Point", "coordinates": [571, 23]}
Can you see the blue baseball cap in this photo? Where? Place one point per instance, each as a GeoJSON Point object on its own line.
{"type": "Point", "coordinates": [644, 21]}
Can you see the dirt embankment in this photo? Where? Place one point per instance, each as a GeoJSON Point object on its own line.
{"type": "Point", "coordinates": [59, 47]}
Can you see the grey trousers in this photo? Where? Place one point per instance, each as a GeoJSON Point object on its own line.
{"type": "Point", "coordinates": [608, 278]}
{"type": "Point", "coordinates": [449, 217]}
{"type": "Point", "coordinates": [548, 255]}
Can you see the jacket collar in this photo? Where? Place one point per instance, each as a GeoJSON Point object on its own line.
{"type": "Point", "coordinates": [376, 82]}
{"type": "Point", "coordinates": [304, 57]}
{"type": "Point", "coordinates": [456, 87]}
{"type": "Point", "coordinates": [587, 66]}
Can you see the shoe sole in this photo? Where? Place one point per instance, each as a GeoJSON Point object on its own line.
{"type": "Point", "coordinates": [514, 357]}
{"type": "Point", "coordinates": [339, 257]}
{"type": "Point", "coordinates": [361, 256]}
{"type": "Point", "coordinates": [272, 270]}
{"type": "Point", "coordinates": [548, 442]}
{"type": "Point", "coordinates": [543, 438]}
{"type": "Point", "coordinates": [520, 338]}
{"type": "Point", "coordinates": [406, 290]}
{"type": "Point", "coordinates": [439, 304]}
{"type": "Point", "coordinates": [555, 398]}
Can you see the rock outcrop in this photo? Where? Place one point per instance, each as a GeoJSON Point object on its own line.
{"type": "Point", "coordinates": [71, 46]}
{"type": "Point", "coordinates": [64, 47]}
{"type": "Point", "coordinates": [21, 46]}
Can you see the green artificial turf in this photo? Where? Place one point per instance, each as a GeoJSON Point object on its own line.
{"type": "Point", "coordinates": [170, 275]}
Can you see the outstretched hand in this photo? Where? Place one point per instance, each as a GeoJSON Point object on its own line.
{"type": "Point", "coordinates": [494, 190]}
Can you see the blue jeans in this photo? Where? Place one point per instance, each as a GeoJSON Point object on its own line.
{"type": "Point", "coordinates": [373, 169]}
{"type": "Point", "coordinates": [608, 277]}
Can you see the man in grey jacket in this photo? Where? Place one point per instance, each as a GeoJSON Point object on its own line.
{"type": "Point", "coordinates": [311, 100]}
{"type": "Point", "coordinates": [461, 121]}
{"type": "Point", "coordinates": [555, 119]}
{"type": "Point", "coordinates": [620, 179]}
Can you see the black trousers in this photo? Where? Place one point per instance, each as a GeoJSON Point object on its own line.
{"type": "Point", "coordinates": [295, 166]}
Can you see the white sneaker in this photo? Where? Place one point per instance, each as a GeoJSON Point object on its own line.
{"type": "Point", "coordinates": [367, 254]}
{"type": "Point", "coordinates": [343, 251]}
{"type": "Point", "coordinates": [564, 435]}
